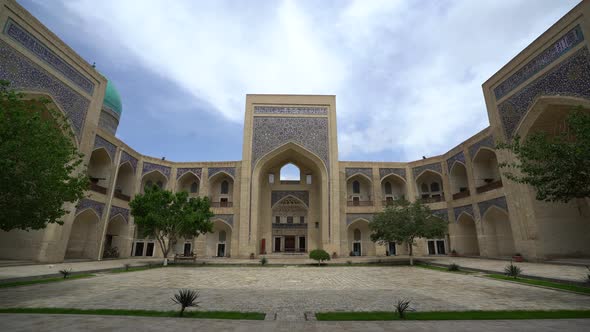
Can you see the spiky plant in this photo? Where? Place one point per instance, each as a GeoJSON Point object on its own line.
{"type": "Point", "coordinates": [402, 306]}
{"type": "Point", "coordinates": [263, 261]}
{"type": "Point", "coordinates": [454, 267]}
{"type": "Point", "coordinates": [65, 272]}
{"type": "Point", "coordinates": [512, 270]}
{"type": "Point", "coordinates": [186, 298]}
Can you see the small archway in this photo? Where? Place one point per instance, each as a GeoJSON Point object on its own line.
{"type": "Point", "coordinates": [219, 241]}
{"type": "Point", "coordinates": [290, 174]}
{"type": "Point", "coordinates": [84, 235]}
{"type": "Point", "coordinates": [290, 226]}
{"type": "Point", "coordinates": [359, 239]}
{"type": "Point", "coordinates": [99, 170]}
{"type": "Point", "coordinates": [124, 182]}
{"type": "Point", "coordinates": [116, 242]}
{"type": "Point", "coordinates": [392, 187]}
{"type": "Point", "coordinates": [153, 178]}
{"type": "Point", "coordinates": [221, 189]}
{"type": "Point", "coordinates": [459, 183]}
{"type": "Point", "coordinates": [463, 236]}
{"type": "Point", "coordinates": [190, 183]}
{"type": "Point", "coordinates": [430, 187]}
{"type": "Point", "coordinates": [359, 190]}
{"type": "Point", "coordinates": [498, 233]}
{"type": "Point", "coordinates": [486, 173]}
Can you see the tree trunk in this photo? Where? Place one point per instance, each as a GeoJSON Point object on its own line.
{"type": "Point", "coordinates": [411, 249]}
{"type": "Point", "coordinates": [164, 248]}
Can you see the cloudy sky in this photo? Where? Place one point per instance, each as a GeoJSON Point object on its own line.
{"type": "Point", "coordinates": [407, 75]}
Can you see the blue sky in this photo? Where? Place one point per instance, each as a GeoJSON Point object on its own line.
{"type": "Point", "coordinates": [407, 75]}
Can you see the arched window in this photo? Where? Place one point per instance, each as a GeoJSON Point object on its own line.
{"type": "Point", "coordinates": [194, 187]}
{"type": "Point", "coordinates": [388, 190]}
{"type": "Point", "coordinates": [356, 187]}
{"type": "Point", "coordinates": [290, 172]}
{"type": "Point", "coordinates": [424, 188]}
{"type": "Point", "coordinates": [434, 187]}
{"type": "Point", "coordinates": [160, 184]}
{"type": "Point", "coordinates": [222, 236]}
{"type": "Point", "coordinates": [224, 187]}
{"type": "Point", "coordinates": [357, 234]}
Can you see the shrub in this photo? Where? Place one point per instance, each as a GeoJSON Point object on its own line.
{"type": "Point", "coordinates": [263, 261]}
{"type": "Point", "coordinates": [127, 266]}
{"type": "Point", "coordinates": [186, 298]}
{"type": "Point", "coordinates": [319, 255]}
{"type": "Point", "coordinates": [111, 252]}
{"type": "Point", "coordinates": [65, 272]}
{"type": "Point", "coordinates": [251, 255]}
{"type": "Point", "coordinates": [349, 262]}
{"type": "Point", "coordinates": [402, 306]}
{"type": "Point", "coordinates": [512, 270]}
{"type": "Point", "coordinates": [454, 267]}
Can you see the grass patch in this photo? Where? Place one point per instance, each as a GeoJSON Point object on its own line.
{"type": "Point", "coordinates": [45, 281]}
{"type": "Point", "coordinates": [439, 268]}
{"type": "Point", "coordinates": [452, 315]}
{"type": "Point", "coordinates": [550, 284]}
{"type": "Point", "coordinates": [136, 268]}
{"type": "Point", "coordinates": [141, 313]}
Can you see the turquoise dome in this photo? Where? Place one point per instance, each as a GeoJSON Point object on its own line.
{"type": "Point", "coordinates": [112, 99]}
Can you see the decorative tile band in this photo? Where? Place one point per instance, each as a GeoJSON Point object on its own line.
{"type": "Point", "coordinates": [435, 167]}
{"type": "Point", "coordinates": [498, 201]}
{"type": "Point", "coordinates": [459, 157]}
{"type": "Point", "coordinates": [181, 171]}
{"type": "Point", "coordinates": [442, 213]}
{"type": "Point", "coordinates": [365, 171]}
{"type": "Point", "coordinates": [352, 217]}
{"type": "Point", "coordinates": [550, 54]}
{"type": "Point", "coordinates": [383, 172]}
{"type": "Point", "coordinates": [100, 142]}
{"type": "Point", "coordinates": [115, 210]}
{"type": "Point", "coordinates": [307, 110]}
{"type": "Point", "coordinates": [229, 170]}
{"type": "Point", "coordinates": [487, 142]}
{"type": "Point", "coordinates": [23, 74]}
{"type": "Point", "coordinates": [277, 195]}
{"type": "Point", "coordinates": [148, 167]}
{"type": "Point", "coordinates": [228, 218]}
{"type": "Point", "coordinates": [86, 203]}
{"type": "Point", "coordinates": [569, 78]}
{"type": "Point", "coordinates": [126, 157]}
{"type": "Point", "coordinates": [34, 45]}
{"type": "Point", "coordinates": [465, 208]}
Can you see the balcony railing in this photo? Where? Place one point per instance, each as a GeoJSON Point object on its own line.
{"type": "Point", "coordinates": [289, 226]}
{"type": "Point", "coordinates": [222, 204]}
{"type": "Point", "coordinates": [290, 182]}
{"type": "Point", "coordinates": [359, 203]}
{"type": "Point", "coordinates": [99, 189]}
{"type": "Point", "coordinates": [122, 196]}
{"type": "Point", "coordinates": [489, 186]}
{"type": "Point", "coordinates": [426, 200]}
{"type": "Point", "coordinates": [461, 194]}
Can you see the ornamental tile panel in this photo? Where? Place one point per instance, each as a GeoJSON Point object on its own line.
{"type": "Point", "coordinates": [498, 201]}
{"type": "Point", "coordinates": [352, 217]}
{"type": "Point", "coordinates": [277, 195]}
{"type": "Point", "coordinates": [550, 54]}
{"type": "Point", "coordinates": [441, 213]}
{"type": "Point", "coordinates": [487, 142]}
{"type": "Point", "coordinates": [273, 132]}
{"type": "Point", "coordinates": [307, 110]}
{"type": "Point", "coordinates": [460, 157]}
{"type": "Point", "coordinates": [365, 171]}
{"type": "Point", "coordinates": [115, 210]}
{"type": "Point", "coordinates": [100, 142]}
{"type": "Point", "coordinates": [24, 74]}
{"type": "Point", "coordinates": [229, 170]}
{"type": "Point", "coordinates": [436, 167]}
{"type": "Point", "coordinates": [569, 78]}
{"type": "Point", "coordinates": [465, 208]}
{"type": "Point", "coordinates": [383, 172]}
{"type": "Point", "coordinates": [42, 52]}
{"type": "Point", "coordinates": [126, 157]}
{"type": "Point", "coordinates": [195, 170]}
{"type": "Point", "coordinates": [86, 203]}
{"type": "Point", "coordinates": [228, 218]}
{"type": "Point", "coordinates": [148, 167]}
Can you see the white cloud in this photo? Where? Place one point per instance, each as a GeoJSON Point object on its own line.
{"type": "Point", "coordinates": [407, 74]}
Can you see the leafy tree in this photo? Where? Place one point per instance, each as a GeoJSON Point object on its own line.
{"type": "Point", "coordinates": [319, 255]}
{"type": "Point", "coordinates": [39, 163]}
{"type": "Point", "coordinates": [169, 216]}
{"type": "Point", "coordinates": [402, 222]}
{"type": "Point", "coordinates": [557, 166]}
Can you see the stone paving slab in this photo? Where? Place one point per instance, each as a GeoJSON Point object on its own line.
{"type": "Point", "coordinates": [293, 290]}
{"type": "Point", "coordinates": [33, 322]}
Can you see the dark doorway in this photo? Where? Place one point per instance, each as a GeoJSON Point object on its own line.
{"type": "Point", "coordinates": [138, 249]}
{"type": "Point", "coordinates": [187, 249]}
{"type": "Point", "coordinates": [356, 248]}
{"type": "Point", "coordinates": [149, 249]}
{"type": "Point", "coordinates": [289, 243]}
{"type": "Point", "coordinates": [302, 243]}
{"type": "Point", "coordinates": [392, 249]}
{"type": "Point", "coordinates": [221, 250]}
{"type": "Point", "coordinates": [277, 244]}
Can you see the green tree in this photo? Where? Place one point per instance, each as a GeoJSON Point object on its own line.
{"type": "Point", "coordinates": [319, 255]}
{"type": "Point", "coordinates": [169, 216]}
{"type": "Point", "coordinates": [403, 222]}
{"type": "Point", "coordinates": [557, 166]}
{"type": "Point", "coordinates": [40, 163]}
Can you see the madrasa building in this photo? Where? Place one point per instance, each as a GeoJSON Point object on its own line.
{"type": "Point", "coordinates": [332, 203]}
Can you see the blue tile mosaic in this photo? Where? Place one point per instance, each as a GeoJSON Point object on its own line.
{"type": "Point", "coordinates": [435, 167]}
{"type": "Point", "coordinates": [498, 201]}
{"type": "Point", "coordinates": [306, 110]}
{"type": "Point", "coordinates": [100, 142]}
{"type": "Point", "coordinates": [365, 171]}
{"type": "Point", "coordinates": [465, 208]}
{"type": "Point", "coordinates": [126, 157]}
{"type": "Point", "coordinates": [277, 195]}
{"type": "Point", "coordinates": [487, 142]}
{"type": "Point", "coordinates": [195, 170]}
{"type": "Point", "coordinates": [115, 210]}
{"type": "Point", "coordinates": [148, 167]}
{"type": "Point", "coordinates": [383, 172]}
{"type": "Point", "coordinates": [86, 203]}
{"type": "Point", "coordinates": [459, 157]}
{"type": "Point", "coordinates": [229, 170]}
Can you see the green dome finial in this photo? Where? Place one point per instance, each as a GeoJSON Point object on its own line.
{"type": "Point", "coordinates": [112, 99]}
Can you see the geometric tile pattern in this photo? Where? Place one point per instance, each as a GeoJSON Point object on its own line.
{"type": "Point", "coordinates": [196, 171]}
{"type": "Point", "coordinates": [487, 142]}
{"type": "Point", "coordinates": [115, 210]}
{"type": "Point", "coordinates": [228, 218]}
{"type": "Point", "coordinates": [459, 157]}
{"type": "Point", "coordinates": [365, 171]}
{"type": "Point", "coordinates": [290, 110]}
{"type": "Point", "coordinates": [100, 142]}
{"type": "Point", "coordinates": [441, 213]}
{"type": "Point", "coordinates": [465, 208]}
{"type": "Point", "coordinates": [435, 167]}
{"type": "Point", "coordinates": [383, 172]}
{"type": "Point", "coordinates": [277, 195]}
{"type": "Point", "coordinates": [498, 201]}
{"type": "Point", "coordinates": [86, 203]}
{"type": "Point", "coordinates": [148, 167]}
{"type": "Point", "coordinates": [229, 170]}
{"type": "Point", "coordinates": [126, 157]}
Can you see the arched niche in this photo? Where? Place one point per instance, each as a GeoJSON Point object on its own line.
{"type": "Point", "coordinates": [463, 236]}
{"type": "Point", "coordinates": [359, 190]}
{"type": "Point", "coordinates": [124, 185]}
{"type": "Point", "coordinates": [393, 187]}
{"type": "Point", "coordinates": [219, 241]}
{"type": "Point", "coordinates": [221, 189]}
{"type": "Point", "coordinates": [459, 182]}
{"type": "Point", "coordinates": [498, 233]}
{"type": "Point", "coordinates": [430, 187]}
{"type": "Point", "coordinates": [84, 236]}
{"type": "Point", "coordinates": [153, 178]}
{"type": "Point", "coordinates": [190, 183]}
{"type": "Point", "coordinates": [116, 238]}
{"type": "Point", "coordinates": [99, 170]}
{"type": "Point", "coordinates": [485, 170]}
{"type": "Point", "coordinates": [359, 239]}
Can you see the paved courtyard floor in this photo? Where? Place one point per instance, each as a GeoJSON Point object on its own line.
{"type": "Point", "coordinates": [292, 290]}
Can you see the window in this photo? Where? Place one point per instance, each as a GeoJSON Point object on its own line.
{"type": "Point", "coordinates": [223, 202]}
{"type": "Point", "coordinates": [289, 220]}
{"type": "Point", "coordinates": [302, 220]}
{"type": "Point", "coordinates": [424, 188]}
{"type": "Point", "coordinates": [290, 172]}
{"type": "Point", "coordinates": [388, 190]}
{"type": "Point", "coordinates": [277, 219]}
{"type": "Point", "coordinates": [434, 186]}
{"type": "Point", "coordinates": [271, 178]}
{"type": "Point", "coordinates": [224, 187]}
{"type": "Point", "coordinates": [308, 177]}
{"type": "Point", "coordinates": [356, 187]}
{"type": "Point", "coordinates": [194, 188]}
